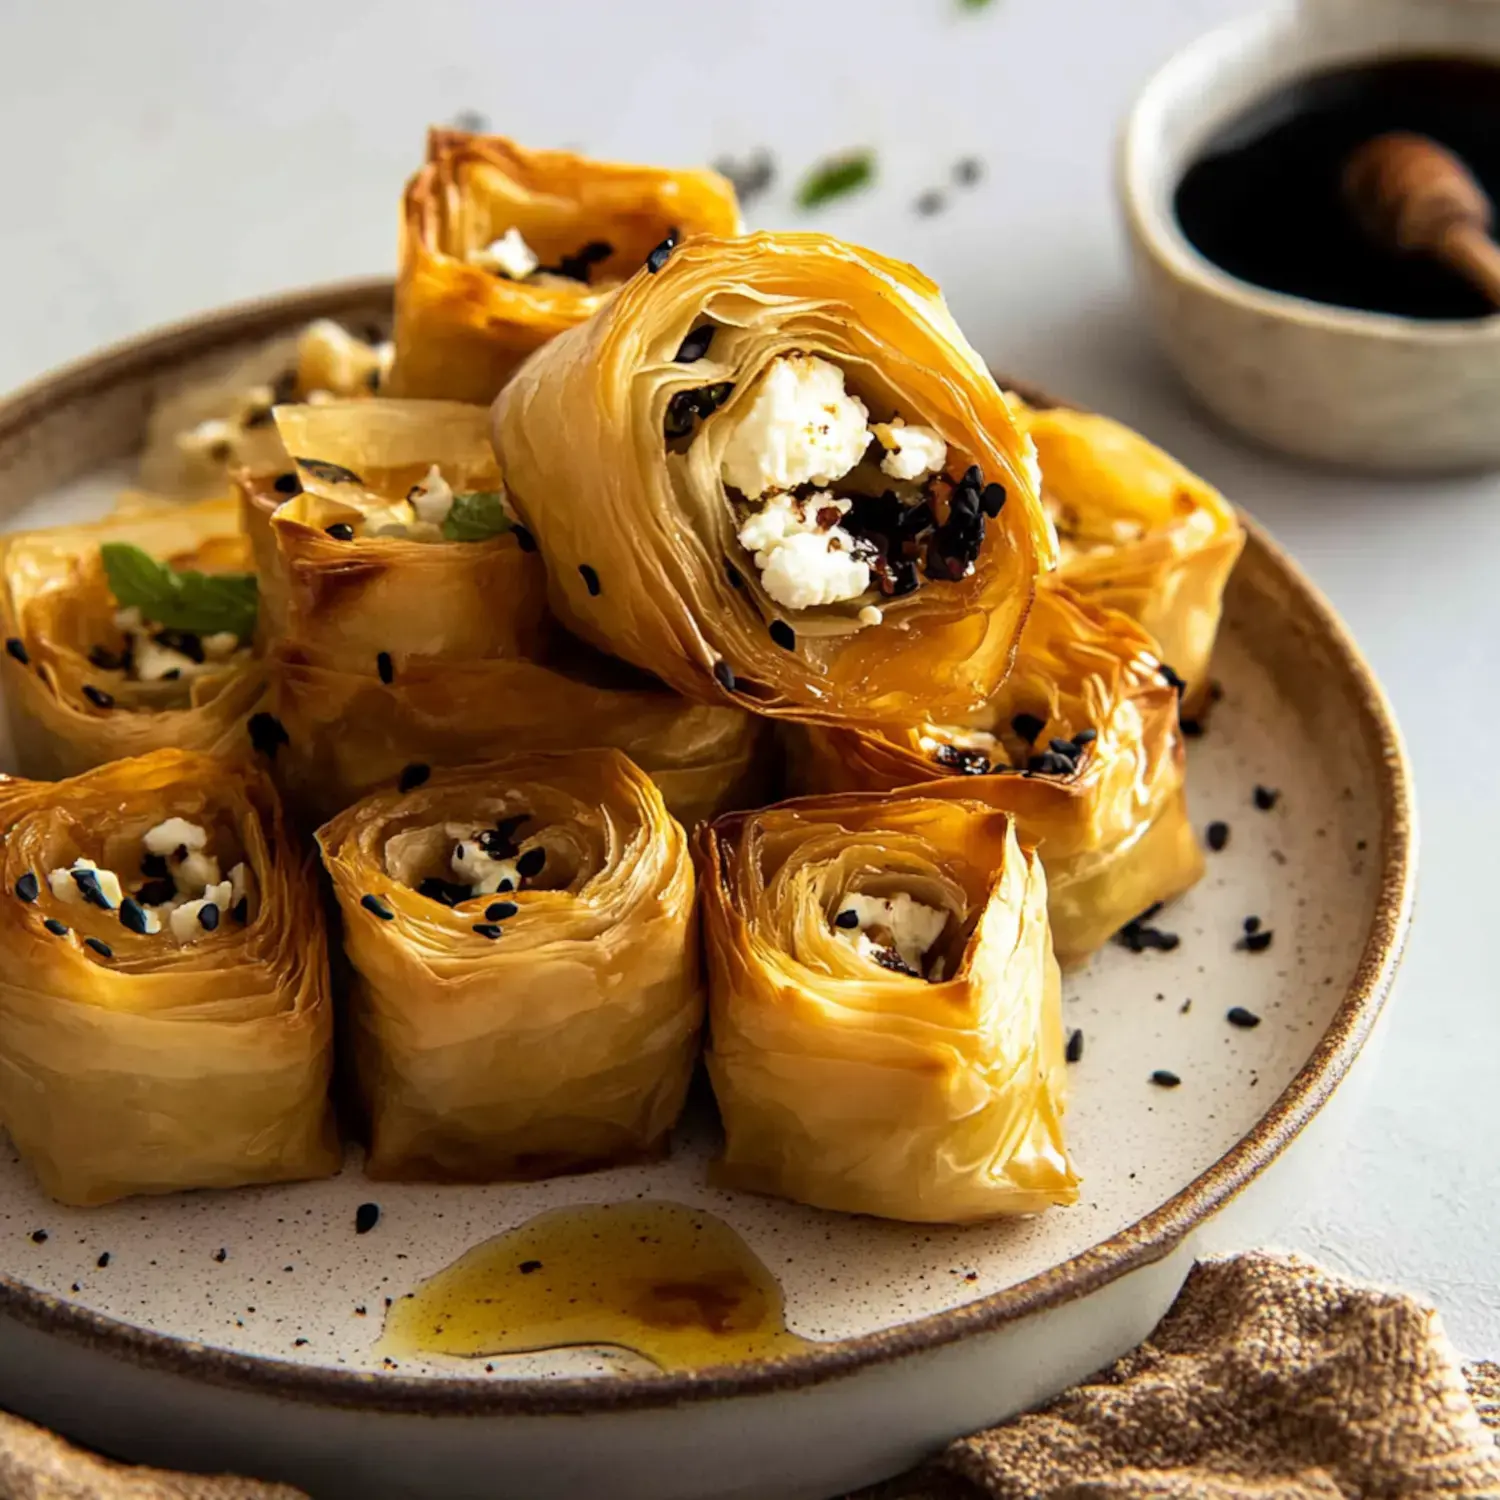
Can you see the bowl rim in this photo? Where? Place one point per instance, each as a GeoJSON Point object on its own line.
{"type": "Point", "coordinates": [1154, 228]}
{"type": "Point", "coordinates": [1143, 1243]}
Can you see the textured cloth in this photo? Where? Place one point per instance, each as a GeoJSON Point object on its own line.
{"type": "Point", "coordinates": [1268, 1380]}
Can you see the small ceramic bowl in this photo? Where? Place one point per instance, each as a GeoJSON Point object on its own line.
{"type": "Point", "coordinates": [1366, 390]}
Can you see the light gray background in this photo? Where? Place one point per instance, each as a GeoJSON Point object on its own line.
{"type": "Point", "coordinates": [158, 158]}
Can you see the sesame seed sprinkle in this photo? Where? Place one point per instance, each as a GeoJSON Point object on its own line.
{"type": "Point", "coordinates": [16, 647]}
{"type": "Point", "coordinates": [524, 539]}
{"type": "Point", "coordinates": [1246, 1020]}
{"type": "Point", "coordinates": [133, 916]}
{"type": "Point", "coordinates": [1255, 942]}
{"type": "Point", "coordinates": [658, 257]}
{"type": "Point", "coordinates": [97, 696]}
{"type": "Point", "coordinates": [783, 635]}
{"type": "Point", "coordinates": [487, 930]}
{"type": "Point", "coordinates": [590, 579]}
{"type": "Point", "coordinates": [735, 577]}
{"type": "Point", "coordinates": [724, 673]}
{"type": "Point", "coordinates": [500, 911]}
{"type": "Point", "coordinates": [208, 917]}
{"type": "Point", "coordinates": [1217, 835]}
{"type": "Point", "coordinates": [386, 667]}
{"type": "Point", "coordinates": [55, 927]}
{"type": "Point", "coordinates": [695, 345]}
{"type": "Point", "coordinates": [286, 484]}
{"type": "Point", "coordinates": [1075, 1045]}
{"type": "Point", "coordinates": [376, 907]}
{"type": "Point", "coordinates": [240, 911]}
{"type": "Point", "coordinates": [340, 531]}
{"type": "Point", "coordinates": [1266, 798]}
{"type": "Point", "coordinates": [101, 948]}
{"type": "Point", "coordinates": [413, 776]}
{"type": "Point", "coordinates": [366, 1217]}
{"type": "Point", "coordinates": [1165, 1078]}
{"type": "Point", "coordinates": [847, 920]}
{"type": "Point", "coordinates": [27, 887]}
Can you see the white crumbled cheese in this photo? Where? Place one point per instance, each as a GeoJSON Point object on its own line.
{"type": "Point", "coordinates": [65, 888]}
{"type": "Point", "coordinates": [318, 396]}
{"type": "Point", "coordinates": [871, 614]}
{"type": "Point", "coordinates": [802, 428]}
{"type": "Point", "coordinates": [806, 570]}
{"type": "Point", "coordinates": [220, 645]}
{"type": "Point", "coordinates": [174, 834]}
{"type": "Point", "coordinates": [128, 619]}
{"type": "Point", "coordinates": [802, 561]}
{"type": "Point", "coordinates": [432, 499]}
{"type": "Point", "coordinates": [186, 920]}
{"type": "Point", "coordinates": [484, 876]}
{"type": "Point", "coordinates": [510, 255]}
{"type": "Point", "coordinates": [194, 873]}
{"type": "Point", "coordinates": [240, 880]}
{"type": "Point", "coordinates": [887, 922]}
{"type": "Point", "coordinates": [153, 662]}
{"type": "Point", "coordinates": [395, 519]}
{"type": "Point", "coordinates": [331, 362]}
{"type": "Point", "coordinates": [214, 438]}
{"type": "Point", "coordinates": [911, 452]}
{"type": "Point", "coordinates": [385, 360]}
{"type": "Point", "coordinates": [150, 921]}
{"type": "Point", "coordinates": [962, 739]}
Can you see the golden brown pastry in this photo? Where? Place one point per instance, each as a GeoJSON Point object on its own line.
{"type": "Point", "coordinates": [771, 471]}
{"type": "Point", "coordinates": [165, 1018]}
{"type": "Point", "coordinates": [128, 635]}
{"type": "Point", "coordinates": [1139, 533]}
{"type": "Point", "coordinates": [502, 248]}
{"type": "Point", "coordinates": [527, 995]}
{"type": "Point", "coordinates": [885, 1009]}
{"type": "Point", "coordinates": [1081, 746]}
{"type": "Point", "coordinates": [393, 537]}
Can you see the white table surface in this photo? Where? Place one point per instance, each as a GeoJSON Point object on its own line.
{"type": "Point", "coordinates": [159, 158]}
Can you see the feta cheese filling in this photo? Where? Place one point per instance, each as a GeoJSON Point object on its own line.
{"type": "Point", "coordinates": [802, 428]}
{"type": "Point", "coordinates": [911, 452]}
{"type": "Point", "coordinates": [153, 654]}
{"type": "Point", "coordinates": [485, 876]}
{"type": "Point", "coordinates": [895, 932]}
{"type": "Point", "coordinates": [83, 882]}
{"type": "Point", "coordinates": [805, 556]}
{"type": "Point", "coordinates": [509, 256]}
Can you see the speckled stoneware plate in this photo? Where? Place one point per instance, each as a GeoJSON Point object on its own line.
{"type": "Point", "coordinates": [239, 1330]}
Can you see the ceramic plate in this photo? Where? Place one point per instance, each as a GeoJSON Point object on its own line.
{"type": "Point", "coordinates": [280, 1274]}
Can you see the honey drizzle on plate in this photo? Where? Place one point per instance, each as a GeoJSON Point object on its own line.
{"type": "Point", "coordinates": [673, 1284]}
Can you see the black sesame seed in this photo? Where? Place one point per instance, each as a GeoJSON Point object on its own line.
{"type": "Point", "coordinates": [1063, 747]}
{"type": "Point", "coordinates": [590, 579]}
{"type": "Point", "coordinates": [1193, 728]}
{"type": "Point", "coordinates": [208, 917]}
{"type": "Point", "coordinates": [221, 1255]}
{"type": "Point", "coordinates": [929, 203]}
{"type": "Point", "coordinates": [1255, 942]}
{"type": "Point", "coordinates": [366, 1217]}
{"type": "Point", "coordinates": [1169, 675]}
{"type": "Point", "coordinates": [1050, 763]}
{"type": "Point", "coordinates": [658, 257]}
{"type": "Point", "coordinates": [445, 892]}
{"type": "Point", "coordinates": [413, 776]}
{"type": "Point", "coordinates": [531, 862]}
{"type": "Point", "coordinates": [1252, 924]}
{"type": "Point", "coordinates": [97, 696]}
{"type": "Point", "coordinates": [993, 500]}
{"type": "Point", "coordinates": [967, 171]}
{"type": "Point", "coordinates": [1138, 937]}
{"type": "Point", "coordinates": [102, 949]}
{"type": "Point", "coordinates": [133, 916]}
{"type": "Point", "coordinates": [524, 539]}
{"type": "Point", "coordinates": [87, 882]}
{"type": "Point", "coordinates": [1028, 726]}
{"type": "Point", "coordinates": [1164, 1078]}
{"type": "Point", "coordinates": [103, 1260]}
{"type": "Point", "coordinates": [1266, 798]}
{"type": "Point", "coordinates": [1246, 1020]}
{"type": "Point", "coordinates": [783, 635]}
{"type": "Point", "coordinates": [105, 659]}
{"type": "Point", "coordinates": [732, 573]}
{"type": "Point", "coordinates": [55, 927]}
{"type": "Point", "coordinates": [156, 892]}
{"type": "Point", "coordinates": [848, 920]}
{"type": "Point", "coordinates": [695, 345]}
{"type": "Point", "coordinates": [973, 478]}
{"type": "Point", "coordinates": [500, 911]}
{"type": "Point", "coordinates": [27, 887]}
{"type": "Point", "coordinates": [1075, 1046]}
{"type": "Point", "coordinates": [267, 734]}
{"type": "Point", "coordinates": [487, 930]}
{"type": "Point", "coordinates": [287, 484]}
{"type": "Point", "coordinates": [528, 1266]}
{"type": "Point", "coordinates": [329, 473]}
{"type": "Point", "coordinates": [376, 907]}
{"type": "Point", "coordinates": [340, 531]}
{"type": "Point", "coordinates": [1217, 835]}
{"type": "Point", "coordinates": [386, 667]}
{"type": "Point", "coordinates": [38, 1236]}
{"type": "Point", "coordinates": [964, 762]}
{"type": "Point", "coordinates": [17, 648]}
{"type": "Point", "coordinates": [725, 675]}
{"type": "Point", "coordinates": [240, 911]}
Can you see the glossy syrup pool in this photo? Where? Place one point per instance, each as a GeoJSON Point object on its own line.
{"type": "Point", "coordinates": [286, 1271]}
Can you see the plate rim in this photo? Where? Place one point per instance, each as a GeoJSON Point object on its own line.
{"type": "Point", "coordinates": [1140, 1244]}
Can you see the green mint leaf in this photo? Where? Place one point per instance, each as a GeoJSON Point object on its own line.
{"type": "Point", "coordinates": [974, 4]}
{"type": "Point", "coordinates": [836, 177]}
{"type": "Point", "coordinates": [475, 516]}
{"type": "Point", "coordinates": [203, 603]}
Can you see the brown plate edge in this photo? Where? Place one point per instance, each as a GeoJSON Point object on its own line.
{"type": "Point", "coordinates": [1143, 1243]}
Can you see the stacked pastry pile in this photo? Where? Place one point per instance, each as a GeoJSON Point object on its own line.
{"type": "Point", "coordinates": [528, 620]}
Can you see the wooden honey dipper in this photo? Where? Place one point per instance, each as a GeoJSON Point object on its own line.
{"type": "Point", "coordinates": [1415, 197]}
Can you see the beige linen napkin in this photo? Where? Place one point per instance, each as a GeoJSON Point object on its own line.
{"type": "Point", "coordinates": [1268, 1380]}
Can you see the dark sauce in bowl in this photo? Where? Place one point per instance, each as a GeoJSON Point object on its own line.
{"type": "Point", "coordinates": [1263, 201]}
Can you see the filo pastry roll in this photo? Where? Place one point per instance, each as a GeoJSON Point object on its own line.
{"type": "Point", "coordinates": [165, 1019]}
{"type": "Point", "coordinates": [1139, 533]}
{"type": "Point", "coordinates": [771, 471]}
{"type": "Point", "coordinates": [128, 635]}
{"type": "Point", "coordinates": [527, 993]}
{"type": "Point", "coordinates": [1081, 745]}
{"type": "Point", "coordinates": [502, 248]}
{"type": "Point", "coordinates": [886, 1014]}
{"type": "Point", "coordinates": [390, 533]}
